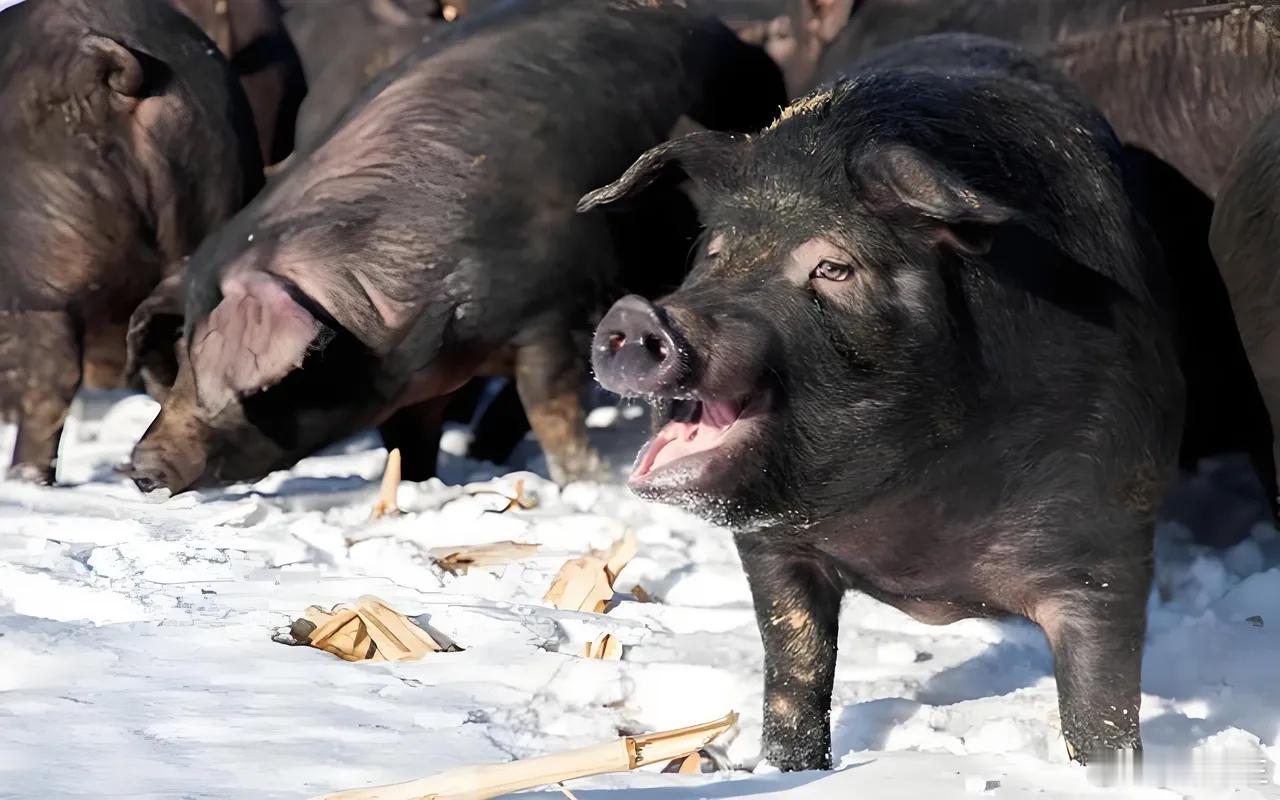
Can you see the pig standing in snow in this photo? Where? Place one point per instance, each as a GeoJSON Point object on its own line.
{"type": "Point", "coordinates": [1158, 70]}
{"type": "Point", "coordinates": [432, 236]}
{"type": "Point", "coordinates": [926, 355]}
{"type": "Point", "coordinates": [124, 139]}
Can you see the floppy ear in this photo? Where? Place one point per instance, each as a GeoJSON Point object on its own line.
{"type": "Point", "coordinates": [104, 62]}
{"type": "Point", "coordinates": [254, 337]}
{"type": "Point", "coordinates": [900, 178]}
{"type": "Point", "coordinates": [155, 328]}
{"type": "Point", "coordinates": [705, 156]}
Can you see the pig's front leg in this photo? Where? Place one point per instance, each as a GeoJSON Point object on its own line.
{"type": "Point", "coordinates": [1095, 630]}
{"type": "Point", "coordinates": [797, 604]}
{"type": "Point", "coordinates": [500, 428]}
{"type": "Point", "coordinates": [415, 430]}
{"type": "Point", "coordinates": [549, 379]}
{"type": "Point", "coordinates": [40, 368]}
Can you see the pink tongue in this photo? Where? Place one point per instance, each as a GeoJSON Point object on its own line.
{"type": "Point", "coordinates": [686, 438]}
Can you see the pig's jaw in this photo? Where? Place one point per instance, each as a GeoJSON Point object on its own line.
{"type": "Point", "coordinates": [698, 444]}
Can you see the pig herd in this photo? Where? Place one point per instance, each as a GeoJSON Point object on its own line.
{"type": "Point", "coordinates": [945, 329]}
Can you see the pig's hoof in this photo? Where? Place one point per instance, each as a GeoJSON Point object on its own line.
{"type": "Point", "coordinates": [798, 758]}
{"type": "Point", "coordinates": [31, 473]}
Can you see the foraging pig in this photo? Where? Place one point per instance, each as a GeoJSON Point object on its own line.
{"type": "Point", "coordinates": [432, 237]}
{"type": "Point", "coordinates": [125, 139]}
{"type": "Point", "coordinates": [924, 355]}
{"type": "Point", "coordinates": [251, 34]}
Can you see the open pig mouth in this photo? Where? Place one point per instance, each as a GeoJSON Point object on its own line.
{"type": "Point", "coordinates": [698, 442]}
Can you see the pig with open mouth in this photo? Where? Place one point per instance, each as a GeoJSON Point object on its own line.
{"type": "Point", "coordinates": [925, 354]}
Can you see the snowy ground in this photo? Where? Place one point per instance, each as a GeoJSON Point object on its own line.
{"type": "Point", "coordinates": [136, 658]}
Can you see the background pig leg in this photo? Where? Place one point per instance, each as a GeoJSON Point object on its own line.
{"type": "Point", "coordinates": [1246, 243]}
{"type": "Point", "coordinates": [1095, 634]}
{"type": "Point", "coordinates": [798, 610]}
{"type": "Point", "coordinates": [416, 431]}
{"type": "Point", "coordinates": [40, 368]}
{"type": "Point", "coordinates": [549, 378]}
{"type": "Point", "coordinates": [500, 427]}
{"type": "Point", "coordinates": [105, 353]}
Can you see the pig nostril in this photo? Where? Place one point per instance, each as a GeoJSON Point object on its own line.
{"type": "Point", "coordinates": [616, 341]}
{"type": "Point", "coordinates": [656, 346]}
{"type": "Point", "coordinates": [145, 485]}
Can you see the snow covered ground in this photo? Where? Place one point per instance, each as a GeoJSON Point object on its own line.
{"type": "Point", "coordinates": [136, 658]}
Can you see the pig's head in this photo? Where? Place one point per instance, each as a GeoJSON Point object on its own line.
{"type": "Point", "coordinates": [835, 331]}
{"type": "Point", "coordinates": [264, 376]}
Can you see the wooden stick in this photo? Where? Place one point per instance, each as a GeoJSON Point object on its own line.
{"type": "Point", "coordinates": [493, 780]}
{"type": "Point", "coordinates": [386, 502]}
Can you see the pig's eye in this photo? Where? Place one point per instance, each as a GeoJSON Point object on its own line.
{"type": "Point", "coordinates": [831, 271]}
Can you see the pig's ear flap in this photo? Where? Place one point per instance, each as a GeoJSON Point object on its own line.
{"type": "Point", "coordinates": [154, 330]}
{"type": "Point", "coordinates": [105, 63]}
{"type": "Point", "coordinates": [901, 179]}
{"type": "Point", "coordinates": [703, 157]}
{"type": "Point", "coordinates": [255, 337]}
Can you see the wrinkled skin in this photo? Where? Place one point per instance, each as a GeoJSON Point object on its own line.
{"type": "Point", "coordinates": [899, 370]}
{"type": "Point", "coordinates": [124, 142]}
{"type": "Point", "coordinates": [251, 34]}
{"type": "Point", "coordinates": [430, 239]}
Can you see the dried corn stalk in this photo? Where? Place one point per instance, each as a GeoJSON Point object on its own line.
{"type": "Point", "coordinates": [605, 648]}
{"type": "Point", "coordinates": [457, 560]}
{"type": "Point", "coordinates": [386, 502]}
{"type": "Point", "coordinates": [586, 584]}
{"type": "Point", "coordinates": [494, 780]}
{"type": "Point", "coordinates": [519, 500]}
{"type": "Point", "coordinates": [368, 629]}
{"type": "Point", "coordinates": [689, 765]}
{"type": "Point", "coordinates": [581, 585]}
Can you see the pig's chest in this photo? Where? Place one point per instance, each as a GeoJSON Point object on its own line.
{"type": "Point", "coordinates": [932, 571]}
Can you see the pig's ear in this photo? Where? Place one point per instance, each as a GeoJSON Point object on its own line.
{"type": "Point", "coordinates": [903, 179]}
{"type": "Point", "coordinates": [154, 330]}
{"type": "Point", "coordinates": [703, 157]}
{"type": "Point", "coordinates": [106, 63]}
{"type": "Point", "coordinates": [254, 337]}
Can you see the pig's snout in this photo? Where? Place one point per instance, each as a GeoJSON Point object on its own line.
{"type": "Point", "coordinates": [637, 352]}
{"type": "Point", "coordinates": [153, 467]}
{"type": "Point", "coordinates": [150, 473]}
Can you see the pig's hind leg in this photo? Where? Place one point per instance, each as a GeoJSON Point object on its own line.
{"type": "Point", "coordinates": [550, 376]}
{"type": "Point", "coordinates": [40, 370]}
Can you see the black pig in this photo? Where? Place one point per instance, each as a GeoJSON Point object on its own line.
{"type": "Point", "coordinates": [124, 140]}
{"type": "Point", "coordinates": [925, 355]}
{"type": "Point", "coordinates": [1157, 70]}
{"type": "Point", "coordinates": [430, 238]}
